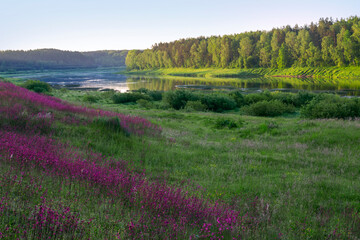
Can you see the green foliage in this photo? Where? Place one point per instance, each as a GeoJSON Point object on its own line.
{"type": "Point", "coordinates": [217, 102]}
{"type": "Point", "coordinates": [282, 61]}
{"type": "Point", "coordinates": [153, 94]}
{"type": "Point", "coordinates": [37, 86]}
{"type": "Point", "coordinates": [268, 127]}
{"type": "Point", "coordinates": [227, 123]}
{"type": "Point", "coordinates": [334, 43]}
{"type": "Point", "coordinates": [145, 103]}
{"type": "Point", "coordinates": [90, 98]}
{"type": "Point", "coordinates": [302, 173]}
{"type": "Point", "coordinates": [195, 106]}
{"type": "Point", "coordinates": [238, 97]}
{"type": "Point", "coordinates": [257, 97]}
{"type": "Point", "coordinates": [299, 99]}
{"type": "Point", "coordinates": [129, 97]}
{"type": "Point", "coordinates": [177, 99]}
{"type": "Point", "coordinates": [112, 124]}
{"type": "Point", "coordinates": [330, 106]}
{"type": "Point", "coordinates": [269, 108]}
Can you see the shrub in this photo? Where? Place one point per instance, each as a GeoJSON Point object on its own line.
{"type": "Point", "coordinates": [177, 99]}
{"type": "Point", "coordinates": [238, 97]}
{"type": "Point", "coordinates": [195, 106]}
{"type": "Point", "coordinates": [270, 127]}
{"type": "Point", "coordinates": [162, 105]}
{"type": "Point", "coordinates": [129, 97]}
{"type": "Point", "coordinates": [145, 103]}
{"type": "Point", "coordinates": [155, 95]}
{"type": "Point", "coordinates": [37, 86]}
{"type": "Point", "coordinates": [257, 97]}
{"type": "Point", "coordinates": [218, 102]}
{"type": "Point", "coordinates": [302, 98]}
{"type": "Point", "coordinates": [108, 93]}
{"type": "Point", "coordinates": [90, 98]}
{"type": "Point", "coordinates": [330, 106]}
{"type": "Point", "coordinates": [229, 123]}
{"type": "Point", "coordinates": [141, 90]}
{"type": "Point", "coordinates": [287, 98]}
{"type": "Point", "coordinates": [269, 108]}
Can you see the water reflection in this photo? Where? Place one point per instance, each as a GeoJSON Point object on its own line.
{"type": "Point", "coordinates": [343, 87]}
{"type": "Point", "coordinates": [100, 79]}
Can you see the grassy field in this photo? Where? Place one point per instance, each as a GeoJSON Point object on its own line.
{"type": "Point", "coordinates": [332, 72]}
{"type": "Point", "coordinates": [290, 178]}
{"type": "Point", "coordinates": [304, 169]}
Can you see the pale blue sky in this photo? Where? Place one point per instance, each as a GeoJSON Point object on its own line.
{"type": "Point", "coordinates": [138, 24]}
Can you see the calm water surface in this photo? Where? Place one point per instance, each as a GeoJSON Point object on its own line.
{"type": "Point", "coordinates": [100, 79]}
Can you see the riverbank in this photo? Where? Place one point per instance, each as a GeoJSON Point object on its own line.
{"type": "Point", "coordinates": [332, 72]}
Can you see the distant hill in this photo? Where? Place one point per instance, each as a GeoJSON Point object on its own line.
{"type": "Point", "coordinates": [58, 59]}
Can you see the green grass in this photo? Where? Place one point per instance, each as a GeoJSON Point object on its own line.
{"type": "Point", "coordinates": [305, 173]}
{"type": "Point", "coordinates": [299, 167]}
{"type": "Point", "coordinates": [333, 72]}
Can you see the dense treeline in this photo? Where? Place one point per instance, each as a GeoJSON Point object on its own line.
{"type": "Point", "coordinates": [57, 59]}
{"type": "Point", "coordinates": [326, 43]}
{"type": "Point", "coordinates": [107, 58]}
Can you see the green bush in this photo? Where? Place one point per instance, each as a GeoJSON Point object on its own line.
{"type": "Point", "coordinates": [302, 98]}
{"type": "Point", "coordinates": [162, 105]}
{"type": "Point", "coordinates": [268, 127]}
{"type": "Point", "coordinates": [229, 123]}
{"type": "Point", "coordinates": [257, 97]}
{"type": "Point", "coordinates": [155, 95]}
{"type": "Point", "coordinates": [141, 90]}
{"type": "Point", "coordinates": [90, 98]}
{"type": "Point", "coordinates": [37, 86]}
{"type": "Point", "coordinates": [330, 106]}
{"type": "Point", "coordinates": [217, 102]}
{"type": "Point", "coordinates": [145, 103]}
{"type": "Point", "coordinates": [195, 106]}
{"type": "Point", "coordinates": [287, 98]}
{"type": "Point", "coordinates": [177, 99]}
{"type": "Point", "coordinates": [269, 108]}
{"type": "Point", "coordinates": [129, 97]}
{"type": "Point", "coordinates": [108, 93]}
{"type": "Point", "coordinates": [238, 97]}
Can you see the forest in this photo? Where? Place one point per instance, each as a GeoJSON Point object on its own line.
{"type": "Point", "coordinates": [325, 43]}
{"type": "Point", "coordinates": [58, 59]}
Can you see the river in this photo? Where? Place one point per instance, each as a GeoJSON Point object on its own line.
{"type": "Point", "coordinates": [107, 78]}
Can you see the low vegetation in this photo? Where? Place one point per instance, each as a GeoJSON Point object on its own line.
{"type": "Point", "coordinates": [95, 171]}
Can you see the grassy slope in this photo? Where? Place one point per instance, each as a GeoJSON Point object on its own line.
{"type": "Point", "coordinates": [334, 72]}
{"type": "Point", "coordinates": [302, 168]}
{"type": "Point", "coordinates": [299, 167]}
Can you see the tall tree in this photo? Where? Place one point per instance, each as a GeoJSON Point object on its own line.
{"type": "Point", "coordinates": [282, 59]}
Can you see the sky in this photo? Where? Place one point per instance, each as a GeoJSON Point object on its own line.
{"type": "Point", "coordinates": [87, 25]}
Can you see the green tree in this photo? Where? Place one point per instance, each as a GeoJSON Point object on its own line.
{"type": "Point", "coordinates": [327, 49]}
{"type": "Point", "coordinates": [245, 50]}
{"type": "Point", "coordinates": [225, 53]}
{"type": "Point", "coordinates": [282, 59]}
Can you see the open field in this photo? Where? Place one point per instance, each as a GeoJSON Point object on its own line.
{"type": "Point", "coordinates": [267, 178]}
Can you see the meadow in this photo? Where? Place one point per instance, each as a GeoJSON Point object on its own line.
{"type": "Point", "coordinates": [327, 72]}
{"type": "Point", "coordinates": [78, 165]}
